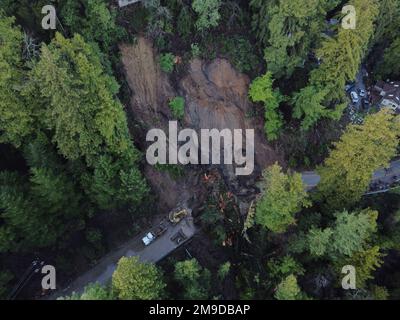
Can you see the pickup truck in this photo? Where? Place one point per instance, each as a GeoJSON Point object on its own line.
{"type": "Point", "coordinates": [154, 234]}
{"type": "Point", "coordinates": [148, 238]}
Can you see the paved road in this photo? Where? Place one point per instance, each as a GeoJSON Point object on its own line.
{"type": "Point", "coordinates": [155, 252]}
{"type": "Point", "coordinates": [386, 175]}
{"type": "Point", "coordinates": [311, 178]}
{"type": "Point", "coordinates": [360, 85]}
{"type": "Point", "coordinates": [355, 109]}
{"type": "Point", "coordinates": [163, 246]}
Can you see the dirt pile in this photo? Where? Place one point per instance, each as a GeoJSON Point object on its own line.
{"type": "Point", "coordinates": [216, 96]}
{"type": "Point", "coordinates": [151, 88]}
{"type": "Point", "coordinates": [151, 92]}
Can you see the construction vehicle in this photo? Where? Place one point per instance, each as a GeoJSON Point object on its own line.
{"type": "Point", "coordinates": [178, 214]}
{"type": "Point", "coordinates": [154, 234]}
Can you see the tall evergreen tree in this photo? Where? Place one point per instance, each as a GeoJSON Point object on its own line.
{"type": "Point", "coordinates": [387, 22]}
{"type": "Point", "coordinates": [284, 196]}
{"type": "Point", "coordinates": [92, 19]}
{"type": "Point", "coordinates": [39, 212]}
{"type": "Point", "coordinates": [77, 102]}
{"type": "Point", "coordinates": [15, 113]}
{"type": "Point", "coordinates": [289, 30]}
{"type": "Point", "coordinates": [341, 58]}
{"type": "Point", "coordinates": [288, 289]}
{"type": "Point", "coordinates": [363, 149]}
{"type": "Point", "coordinates": [194, 279]}
{"type": "Point", "coordinates": [389, 68]}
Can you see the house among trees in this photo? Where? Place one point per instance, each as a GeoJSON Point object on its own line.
{"type": "Point", "coordinates": [387, 94]}
{"type": "Point", "coordinates": [124, 3]}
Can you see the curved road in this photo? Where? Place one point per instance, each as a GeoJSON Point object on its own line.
{"type": "Point", "coordinates": [311, 178]}
{"type": "Point", "coordinates": [156, 251]}
{"type": "Point", "coordinates": [163, 245]}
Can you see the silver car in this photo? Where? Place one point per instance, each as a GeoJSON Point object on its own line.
{"type": "Point", "coordinates": [354, 97]}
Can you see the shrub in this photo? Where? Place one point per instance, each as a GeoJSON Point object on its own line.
{"type": "Point", "coordinates": [240, 52]}
{"type": "Point", "coordinates": [174, 170]}
{"type": "Point", "coordinates": [196, 51]}
{"type": "Point", "coordinates": [167, 62]}
{"type": "Point", "coordinates": [177, 106]}
{"type": "Point", "coordinates": [208, 13]}
{"type": "Point", "coordinates": [288, 289]}
{"type": "Point", "coordinates": [224, 270]}
{"type": "Point", "coordinates": [261, 90]}
{"type": "Point", "coordinates": [184, 23]}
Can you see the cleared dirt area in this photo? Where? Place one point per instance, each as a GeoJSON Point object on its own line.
{"type": "Point", "coordinates": [216, 96]}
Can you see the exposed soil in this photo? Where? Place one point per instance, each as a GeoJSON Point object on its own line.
{"type": "Point", "coordinates": [151, 88]}
{"type": "Point", "coordinates": [215, 97]}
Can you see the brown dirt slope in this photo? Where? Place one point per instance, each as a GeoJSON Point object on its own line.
{"type": "Point", "coordinates": [215, 97]}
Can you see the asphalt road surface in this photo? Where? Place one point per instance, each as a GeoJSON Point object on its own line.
{"type": "Point", "coordinates": [155, 252]}
{"type": "Point", "coordinates": [360, 85]}
{"type": "Point", "coordinates": [311, 178]}
{"type": "Point", "coordinates": [163, 245]}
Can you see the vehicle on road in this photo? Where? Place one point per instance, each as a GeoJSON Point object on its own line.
{"type": "Point", "coordinates": [154, 234]}
{"type": "Point", "coordinates": [365, 104]}
{"type": "Point", "coordinates": [148, 238]}
{"type": "Point", "coordinates": [354, 97]}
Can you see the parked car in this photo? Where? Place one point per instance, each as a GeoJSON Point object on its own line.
{"type": "Point", "coordinates": [362, 93]}
{"type": "Point", "coordinates": [365, 104]}
{"type": "Point", "coordinates": [354, 97]}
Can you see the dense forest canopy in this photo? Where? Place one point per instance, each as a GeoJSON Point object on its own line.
{"type": "Point", "coordinates": [73, 175]}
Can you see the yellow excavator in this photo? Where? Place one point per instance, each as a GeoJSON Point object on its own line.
{"type": "Point", "coordinates": [178, 214]}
